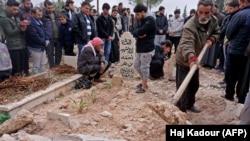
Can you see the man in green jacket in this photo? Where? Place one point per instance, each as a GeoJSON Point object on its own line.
{"type": "Point", "coordinates": [14, 30]}
{"type": "Point", "coordinates": [200, 29]}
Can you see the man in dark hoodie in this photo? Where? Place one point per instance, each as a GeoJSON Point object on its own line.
{"type": "Point", "coordinates": [145, 48]}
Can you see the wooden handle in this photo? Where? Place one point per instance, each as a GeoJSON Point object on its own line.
{"type": "Point", "coordinates": [190, 74]}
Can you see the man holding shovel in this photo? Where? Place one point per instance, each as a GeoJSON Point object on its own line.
{"type": "Point", "coordinates": [202, 29]}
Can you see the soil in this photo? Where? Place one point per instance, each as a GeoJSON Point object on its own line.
{"type": "Point", "coordinates": [27, 85]}
{"type": "Point", "coordinates": [119, 113]}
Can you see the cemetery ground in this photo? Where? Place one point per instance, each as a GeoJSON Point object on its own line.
{"type": "Point", "coordinates": [116, 112]}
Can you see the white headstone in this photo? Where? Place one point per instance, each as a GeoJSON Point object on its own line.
{"type": "Point", "coordinates": [127, 55]}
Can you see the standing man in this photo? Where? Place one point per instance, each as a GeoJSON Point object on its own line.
{"type": "Point", "coordinates": [105, 29]}
{"type": "Point", "coordinates": [161, 25]}
{"type": "Point", "coordinates": [37, 41]}
{"type": "Point", "coordinates": [68, 10]}
{"type": "Point", "coordinates": [51, 25]}
{"type": "Point", "coordinates": [83, 27]}
{"type": "Point", "coordinates": [175, 29]}
{"type": "Point", "coordinates": [14, 31]}
{"type": "Point", "coordinates": [145, 48]}
{"type": "Point", "coordinates": [198, 31]}
{"type": "Point", "coordinates": [24, 13]}
{"type": "Point", "coordinates": [238, 35]}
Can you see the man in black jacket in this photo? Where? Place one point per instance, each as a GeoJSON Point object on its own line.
{"type": "Point", "coordinates": [105, 29]}
{"type": "Point", "coordinates": [145, 34]}
{"type": "Point", "coordinates": [83, 27]}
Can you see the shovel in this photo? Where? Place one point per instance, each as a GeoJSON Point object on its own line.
{"type": "Point", "coordinates": [190, 74]}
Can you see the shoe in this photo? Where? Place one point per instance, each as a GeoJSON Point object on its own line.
{"type": "Point", "coordinates": [140, 90]}
{"type": "Point", "coordinates": [171, 79]}
{"type": "Point", "coordinates": [194, 109]}
{"type": "Point", "coordinates": [138, 86]}
{"type": "Point", "coordinates": [222, 82]}
{"type": "Point", "coordinates": [230, 99]}
{"type": "Point", "coordinates": [99, 80]}
{"type": "Point", "coordinates": [223, 85]}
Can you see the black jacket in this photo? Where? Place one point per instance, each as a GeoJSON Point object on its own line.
{"type": "Point", "coordinates": [105, 27]}
{"type": "Point", "coordinates": [66, 35]}
{"type": "Point", "coordinates": [80, 29]}
{"type": "Point", "coordinates": [146, 27]}
{"type": "Point", "coordinates": [161, 24]}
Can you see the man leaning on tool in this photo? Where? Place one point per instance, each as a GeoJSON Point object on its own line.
{"type": "Point", "coordinates": [200, 29]}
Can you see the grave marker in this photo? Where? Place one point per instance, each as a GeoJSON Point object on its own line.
{"type": "Point", "coordinates": [127, 55]}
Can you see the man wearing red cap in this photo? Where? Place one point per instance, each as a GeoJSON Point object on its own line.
{"type": "Point", "coordinates": [91, 61]}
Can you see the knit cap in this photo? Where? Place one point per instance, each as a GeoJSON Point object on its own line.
{"type": "Point", "coordinates": [96, 41]}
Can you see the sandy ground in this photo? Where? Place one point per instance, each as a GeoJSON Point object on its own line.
{"type": "Point", "coordinates": [120, 113]}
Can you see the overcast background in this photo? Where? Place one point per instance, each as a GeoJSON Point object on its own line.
{"type": "Point", "coordinates": [170, 5]}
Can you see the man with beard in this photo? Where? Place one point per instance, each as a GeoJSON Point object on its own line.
{"type": "Point", "coordinates": [14, 30]}
{"type": "Point", "coordinates": [201, 29]}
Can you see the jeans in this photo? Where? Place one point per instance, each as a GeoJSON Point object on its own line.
{"type": "Point", "coordinates": [106, 47]}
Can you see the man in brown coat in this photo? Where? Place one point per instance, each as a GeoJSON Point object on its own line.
{"type": "Point", "coordinates": [200, 29]}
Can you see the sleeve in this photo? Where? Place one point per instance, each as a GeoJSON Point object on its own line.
{"type": "Point", "coordinates": [165, 28]}
{"type": "Point", "coordinates": [8, 29]}
{"type": "Point", "coordinates": [145, 28]}
{"type": "Point", "coordinates": [75, 26]}
{"type": "Point", "coordinates": [34, 35]}
{"type": "Point", "coordinates": [187, 45]}
{"type": "Point", "coordinates": [100, 28]}
{"type": "Point", "coordinates": [180, 26]}
{"type": "Point", "coordinates": [111, 31]}
{"type": "Point", "coordinates": [233, 26]}
{"type": "Point", "coordinates": [215, 36]}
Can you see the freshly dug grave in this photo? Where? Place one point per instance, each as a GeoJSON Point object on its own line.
{"type": "Point", "coordinates": [16, 88]}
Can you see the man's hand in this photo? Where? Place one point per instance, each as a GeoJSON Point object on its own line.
{"type": "Point", "coordinates": [101, 52]}
{"type": "Point", "coordinates": [110, 38]}
{"type": "Point", "coordinates": [160, 31]}
{"type": "Point", "coordinates": [143, 36]}
{"type": "Point", "coordinates": [102, 67]}
{"type": "Point", "coordinates": [210, 43]}
{"type": "Point", "coordinates": [171, 33]}
{"type": "Point", "coordinates": [193, 61]}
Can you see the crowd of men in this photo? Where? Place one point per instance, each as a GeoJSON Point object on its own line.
{"type": "Point", "coordinates": [40, 34]}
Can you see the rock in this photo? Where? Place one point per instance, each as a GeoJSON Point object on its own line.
{"type": "Point", "coordinates": [117, 81]}
{"type": "Point", "coordinates": [238, 109]}
{"type": "Point", "coordinates": [7, 137]}
{"type": "Point", "coordinates": [168, 112]}
{"type": "Point", "coordinates": [74, 124]}
{"type": "Point", "coordinates": [16, 122]}
{"type": "Point", "coordinates": [64, 117]}
{"type": "Point", "coordinates": [36, 126]}
{"type": "Point", "coordinates": [106, 114]}
{"type": "Point", "coordinates": [23, 136]}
